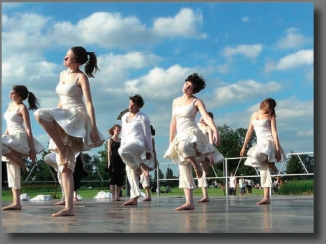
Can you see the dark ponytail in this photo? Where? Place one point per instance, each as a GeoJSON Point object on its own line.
{"type": "Point", "coordinates": [23, 92]}
{"type": "Point", "coordinates": [81, 56]}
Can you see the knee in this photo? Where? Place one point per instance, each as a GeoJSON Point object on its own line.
{"type": "Point", "coordinates": [261, 157]}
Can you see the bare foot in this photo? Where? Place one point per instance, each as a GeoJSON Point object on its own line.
{"type": "Point", "coordinates": [147, 199]}
{"type": "Point", "coordinates": [12, 207]}
{"type": "Point", "coordinates": [264, 201]}
{"type": "Point", "coordinates": [63, 213]}
{"type": "Point", "coordinates": [199, 171]}
{"type": "Point", "coordinates": [132, 201]}
{"type": "Point", "coordinates": [204, 199]}
{"type": "Point", "coordinates": [185, 207]}
{"type": "Point", "coordinates": [60, 203]}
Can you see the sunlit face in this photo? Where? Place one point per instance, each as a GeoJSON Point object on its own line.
{"type": "Point", "coordinates": [14, 95]}
{"type": "Point", "coordinates": [133, 107]}
{"type": "Point", "coordinates": [188, 87]}
{"type": "Point", "coordinates": [117, 130]}
{"type": "Point", "coordinates": [69, 60]}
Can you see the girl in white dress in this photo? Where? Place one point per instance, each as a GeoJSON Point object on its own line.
{"type": "Point", "coordinates": [268, 150]}
{"type": "Point", "coordinates": [18, 141]}
{"type": "Point", "coordinates": [209, 160]}
{"type": "Point", "coordinates": [150, 165]}
{"type": "Point", "coordinates": [187, 141]}
{"type": "Point", "coordinates": [72, 125]}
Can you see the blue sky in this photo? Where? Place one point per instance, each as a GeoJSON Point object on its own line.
{"type": "Point", "coordinates": [245, 51]}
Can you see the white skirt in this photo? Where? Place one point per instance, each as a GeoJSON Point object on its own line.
{"type": "Point", "coordinates": [265, 148]}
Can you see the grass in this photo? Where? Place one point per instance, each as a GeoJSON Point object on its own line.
{"type": "Point", "coordinates": [87, 193]}
{"type": "Point", "coordinates": [305, 187]}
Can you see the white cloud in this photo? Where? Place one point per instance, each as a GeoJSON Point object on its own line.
{"type": "Point", "coordinates": [184, 24]}
{"type": "Point", "coordinates": [292, 39]}
{"type": "Point", "coordinates": [249, 51]}
{"type": "Point", "coordinates": [242, 91]}
{"type": "Point", "coordinates": [168, 82]}
{"type": "Point", "coordinates": [298, 59]}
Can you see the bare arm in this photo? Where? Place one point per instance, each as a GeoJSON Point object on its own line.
{"type": "Point", "coordinates": [109, 152]}
{"type": "Point", "coordinates": [84, 83]}
{"type": "Point", "coordinates": [208, 120]}
{"type": "Point", "coordinates": [248, 135]}
{"type": "Point", "coordinates": [23, 111]}
{"type": "Point", "coordinates": [275, 138]}
{"type": "Point", "coordinates": [154, 151]}
{"type": "Point", "coordinates": [172, 126]}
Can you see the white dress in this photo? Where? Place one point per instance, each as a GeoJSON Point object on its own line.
{"type": "Point", "coordinates": [74, 122]}
{"type": "Point", "coordinates": [265, 144]}
{"type": "Point", "coordinates": [217, 156]}
{"type": "Point", "coordinates": [188, 133]}
{"type": "Point", "coordinates": [17, 138]}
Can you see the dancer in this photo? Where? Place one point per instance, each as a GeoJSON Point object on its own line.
{"type": "Point", "coordinates": [18, 141]}
{"type": "Point", "coordinates": [187, 142]}
{"type": "Point", "coordinates": [268, 150]}
{"type": "Point", "coordinates": [79, 173]}
{"type": "Point", "coordinates": [207, 161]}
{"type": "Point", "coordinates": [116, 166]}
{"type": "Point", "coordinates": [151, 165]}
{"type": "Point", "coordinates": [72, 125]}
{"type": "Point", "coordinates": [135, 139]}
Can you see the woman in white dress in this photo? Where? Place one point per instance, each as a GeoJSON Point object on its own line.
{"type": "Point", "coordinates": [72, 125]}
{"type": "Point", "coordinates": [207, 161]}
{"type": "Point", "coordinates": [268, 150]}
{"type": "Point", "coordinates": [150, 165]}
{"type": "Point", "coordinates": [187, 141]}
{"type": "Point", "coordinates": [18, 141]}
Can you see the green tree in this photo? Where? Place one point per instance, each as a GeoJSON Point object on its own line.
{"type": "Point", "coordinates": [294, 165]}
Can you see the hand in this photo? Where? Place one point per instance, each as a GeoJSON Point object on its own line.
{"type": "Point", "coordinates": [95, 137]}
{"type": "Point", "coordinates": [242, 152]}
{"type": "Point", "coordinates": [216, 138]}
{"type": "Point", "coordinates": [278, 155]}
{"type": "Point", "coordinates": [32, 156]}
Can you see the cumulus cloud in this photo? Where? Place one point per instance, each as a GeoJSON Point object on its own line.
{"type": "Point", "coordinates": [168, 82]}
{"type": "Point", "coordinates": [298, 59]}
{"type": "Point", "coordinates": [184, 24]}
{"type": "Point", "coordinates": [292, 39]}
{"type": "Point", "coordinates": [249, 51]}
{"type": "Point", "coordinates": [242, 91]}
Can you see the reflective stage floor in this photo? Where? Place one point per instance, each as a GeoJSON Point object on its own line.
{"type": "Point", "coordinates": [233, 214]}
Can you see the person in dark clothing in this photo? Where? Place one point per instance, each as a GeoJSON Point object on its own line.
{"type": "Point", "coordinates": [79, 173]}
{"type": "Point", "coordinates": [116, 167]}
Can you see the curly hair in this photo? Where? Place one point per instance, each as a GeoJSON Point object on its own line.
{"type": "Point", "coordinates": [137, 99]}
{"type": "Point", "coordinates": [197, 81]}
